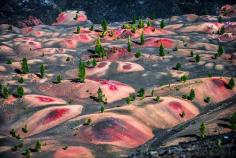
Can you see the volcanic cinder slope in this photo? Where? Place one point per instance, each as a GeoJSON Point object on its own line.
{"type": "Point", "coordinates": [144, 80]}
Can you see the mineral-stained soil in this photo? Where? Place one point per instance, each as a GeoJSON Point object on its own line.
{"type": "Point", "coordinates": [170, 94]}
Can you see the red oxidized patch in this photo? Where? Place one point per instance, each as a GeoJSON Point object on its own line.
{"type": "Point", "coordinates": [112, 87]}
{"type": "Point", "coordinates": [218, 82]}
{"type": "Point", "coordinates": [45, 99]}
{"type": "Point", "coordinates": [176, 106]}
{"type": "Point", "coordinates": [61, 18]}
{"type": "Point", "coordinates": [102, 64]}
{"type": "Point", "coordinates": [26, 30]}
{"type": "Point", "coordinates": [127, 66]}
{"type": "Point", "coordinates": [55, 114]}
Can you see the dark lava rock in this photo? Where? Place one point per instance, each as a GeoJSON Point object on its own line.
{"type": "Point", "coordinates": [12, 11]}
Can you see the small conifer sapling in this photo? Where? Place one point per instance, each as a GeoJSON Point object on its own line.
{"type": "Point", "coordinates": [230, 84]}
{"type": "Point", "coordinates": [161, 50]}
{"type": "Point", "coordinates": [24, 66]}
{"type": "Point", "coordinates": [20, 91]}
{"type": "Point", "coordinates": [42, 71]}
{"type": "Point", "coordinates": [129, 44]}
{"type": "Point", "coordinates": [202, 130]}
{"type": "Point", "coordinates": [82, 72]}
{"type": "Point", "coordinates": [162, 24]}
{"type": "Point", "coordinates": [142, 39]}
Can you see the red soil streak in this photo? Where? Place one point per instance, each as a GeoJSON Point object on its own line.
{"type": "Point", "coordinates": [110, 82]}
{"type": "Point", "coordinates": [61, 18]}
{"type": "Point", "coordinates": [218, 82]}
{"type": "Point", "coordinates": [35, 44]}
{"type": "Point", "coordinates": [112, 130]}
{"type": "Point", "coordinates": [178, 109]}
{"type": "Point", "coordinates": [156, 42]}
{"type": "Point", "coordinates": [69, 43]}
{"type": "Point", "coordinates": [73, 152]}
{"type": "Point", "coordinates": [44, 99]}
{"type": "Point", "coordinates": [26, 30]}
{"type": "Point", "coordinates": [10, 100]}
{"type": "Point", "coordinates": [102, 64]}
{"type": "Point", "coordinates": [113, 85]}
{"type": "Point", "coordinates": [125, 33]}
{"type": "Point", "coordinates": [81, 18]}
{"type": "Point", "coordinates": [116, 53]}
{"type": "Point", "coordinates": [127, 66]}
{"type": "Point", "coordinates": [19, 39]}
{"type": "Point", "coordinates": [155, 31]}
{"type": "Point", "coordinates": [55, 114]}
{"type": "Point", "coordinates": [227, 37]}
{"type": "Point", "coordinates": [84, 38]}
{"type": "Point", "coordinates": [37, 33]}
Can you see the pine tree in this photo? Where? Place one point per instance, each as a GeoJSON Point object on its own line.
{"type": "Point", "coordinates": [58, 78]}
{"type": "Point", "coordinates": [9, 61]}
{"type": "Point", "coordinates": [140, 24]}
{"type": "Point", "coordinates": [102, 109]}
{"type": "Point", "coordinates": [191, 53]}
{"type": "Point", "coordinates": [38, 145]}
{"type": "Point", "coordinates": [142, 39]}
{"type": "Point", "coordinates": [100, 96]}
{"type": "Point", "coordinates": [149, 23]}
{"type": "Point", "coordinates": [133, 20]}
{"type": "Point", "coordinates": [202, 130]}
{"type": "Point", "coordinates": [141, 93]}
{"type": "Point", "coordinates": [129, 44]}
{"type": "Point", "coordinates": [91, 28]}
{"type": "Point", "coordinates": [162, 24]}
{"type": "Point", "coordinates": [220, 50]}
{"type": "Point", "coordinates": [184, 78]}
{"type": "Point", "coordinates": [94, 62]}
{"type": "Point", "coordinates": [78, 29]}
{"type": "Point", "coordinates": [82, 72]}
{"type": "Point", "coordinates": [191, 95]}
{"type": "Point", "coordinates": [20, 91]}
{"type": "Point", "coordinates": [21, 80]}
{"type": "Point", "coordinates": [230, 84]}
{"type": "Point", "coordinates": [220, 19]}
{"type": "Point", "coordinates": [99, 50]}
{"type": "Point", "coordinates": [138, 54]}
{"type": "Point", "coordinates": [157, 99]}
{"type": "Point", "coordinates": [133, 28]}
{"type": "Point", "coordinates": [207, 99]}
{"type": "Point", "coordinates": [178, 66]}
{"type": "Point", "coordinates": [5, 92]}
{"type": "Point", "coordinates": [25, 129]}
{"type": "Point", "coordinates": [161, 50]}
{"type": "Point", "coordinates": [197, 58]}
{"type": "Point", "coordinates": [42, 70]}
{"type": "Point", "coordinates": [24, 66]}
{"type": "Point", "coordinates": [104, 25]}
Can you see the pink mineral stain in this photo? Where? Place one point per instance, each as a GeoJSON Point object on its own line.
{"type": "Point", "coordinates": [127, 66]}
{"type": "Point", "coordinates": [26, 30]}
{"type": "Point", "coordinates": [114, 131]}
{"type": "Point", "coordinates": [102, 64]}
{"type": "Point", "coordinates": [55, 114]}
{"type": "Point", "coordinates": [218, 82]}
{"type": "Point", "coordinates": [178, 109]}
{"type": "Point", "coordinates": [81, 18]}
{"type": "Point", "coordinates": [112, 87]}
{"type": "Point", "coordinates": [61, 18]}
{"type": "Point", "coordinates": [153, 42]}
{"type": "Point", "coordinates": [45, 99]}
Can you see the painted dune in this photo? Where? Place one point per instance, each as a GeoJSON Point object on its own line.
{"type": "Point", "coordinates": [118, 130]}
{"type": "Point", "coordinates": [48, 118]}
{"type": "Point", "coordinates": [76, 89]}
